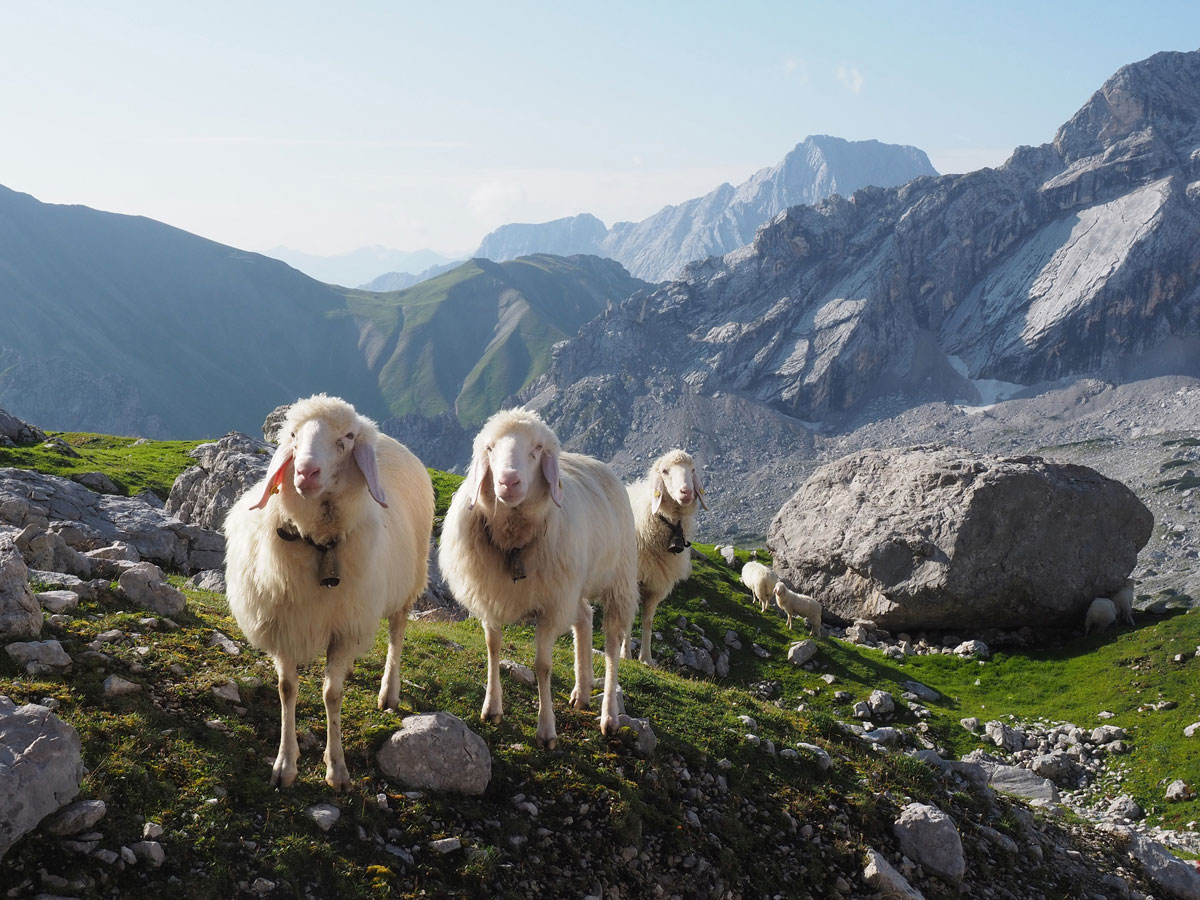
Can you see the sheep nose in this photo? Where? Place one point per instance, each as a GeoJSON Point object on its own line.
{"type": "Point", "coordinates": [510, 478]}
{"type": "Point", "coordinates": [307, 475]}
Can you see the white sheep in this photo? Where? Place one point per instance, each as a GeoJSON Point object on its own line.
{"type": "Point", "coordinates": [333, 539]}
{"type": "Point", "coordinates": [537, 531]}
{"type": "Point", "coordinates": [664, 512]}
{"type": "Point", "coordinates": [1123, 602]}
{"type": "Point", "coordinates": [1100, 615]}
{"type": "Point", "coordinates": [794, 604]}
{"type": "Point", "coordinates": [761, 581]}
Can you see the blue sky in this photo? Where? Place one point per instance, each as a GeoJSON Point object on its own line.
{"type": "Point", "coordinates": [329, 127]}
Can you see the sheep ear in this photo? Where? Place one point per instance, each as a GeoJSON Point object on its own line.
{"type": "Point", "coordinates": [550, 471]}
{"type": "Point", "coordinates": [698, 488]}
{"type": "Point", "coordinates": [659, 489]}
{"type": "Point", "coordinates": [275, 473]}
{"type": "Point", "coordinates": [476, 477]}
{"type": "Point", "coordinates": [364, 456]}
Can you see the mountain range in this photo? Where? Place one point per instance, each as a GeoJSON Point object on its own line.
{"type": "Point", "coordinates": [124, 325]}
{"type": "Point", "coordinates": [361, 265]}
{"type": "Point", "coordinates": [724, 219]}
{"type": "Point", "coordinates": [1076, 259]}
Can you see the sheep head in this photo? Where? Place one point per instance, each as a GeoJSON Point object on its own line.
{"type": "Point", "coordinates": [324, 442]}
{"type": "Point", "coordinates": [674, 473]}
{"type": "Point", "coordinates": [514, 453]}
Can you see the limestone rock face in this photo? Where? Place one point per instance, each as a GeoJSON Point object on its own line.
{"type": "Point", "coordinates": [204, 494]}
{"type": "Point", "coordinates": [20, 612]}
{"type": "Point", "coordinates": [935, 537]}
{"type": "Point", "coordinates": [14, 431]}
{"type": "Point", "coordinates": [40, 768]}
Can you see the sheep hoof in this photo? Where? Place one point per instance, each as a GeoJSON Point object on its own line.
{"type": "Point", "coordinates": [609, 725]}
{"type": "Point", "coordinates": [338, 778]}
{"type": "Point", "coordinates": [283, 775]}
{"type": "Point", "coordinates": [388, 702]}
{"type": "Point", "coordinates": [548, 743]}
{"type": "Point", "coordinates": [580, 700]}
{"type": "Point", "coordinates": [493, 718]}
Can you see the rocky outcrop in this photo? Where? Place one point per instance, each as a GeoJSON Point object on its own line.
{"type": "Point", "coordinates": [13, 431]}
{"type": "Point", "coordinates": [40, 764]}
{"type": "Point", "coordinates": [204, 494]}
{"type": "Point", "coordinates": [939, 538]}
{"type": "Point", "coordinates": [440, 441]}
{"type": "Point", "coordinates": [20, 613]}
{"type": "Point", "coordinates": [61, 520]}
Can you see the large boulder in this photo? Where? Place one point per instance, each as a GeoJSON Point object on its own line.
{"type": "Point", "coordinates": [20, 612]}
{"type": "Point", "coordinates": [437, 752]}
{"type": "Point", "coordinates": [203, 494]}
{"type": "Point", "coordinates": [40, 768]}
{"type": "Point", "coordinates": [941, 537]}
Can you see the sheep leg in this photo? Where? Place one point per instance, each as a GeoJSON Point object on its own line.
{"type": "Point", "coordinates": [283, 773]}
{"type": "Point", "coordinates": [493, 699]}
{"type": "Point", "coordinates": [789, 615]}
{"type": "Point", "coordinates": [649, 605]}
{"type": "Point", "coordinates": [339, 660]}
{"type": "Point", "coordinates": [610, 707]}
{"type": "Point", "coordinates": [389, 685]}
{"type": "Point", "coordinates": [581, 695]}
{"type": "Point", "coordinates": [546, 735]}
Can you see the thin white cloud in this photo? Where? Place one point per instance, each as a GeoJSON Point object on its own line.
{"type": "Point", "coordinates": [850, 77]}
{"type": "Point", "coordinates": [309, 142]}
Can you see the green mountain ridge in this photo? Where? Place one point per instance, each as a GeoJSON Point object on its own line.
{"type": "Point", "coordinates": [122, 324]}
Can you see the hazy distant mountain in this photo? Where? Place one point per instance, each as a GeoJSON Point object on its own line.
{"type": "Point", "coordinates": [358, 266]}
{"type": "Point", "coordinates": [724, 219]}
{"type": "Point", "coordinates": [398, 281]}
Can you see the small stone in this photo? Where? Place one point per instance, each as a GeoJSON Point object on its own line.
{"type": "Point", "coordinates": [128, 856]}
{"type": "Point", "coordinates": [445, 845]}
{"type": "Point", "coordinates": [151, 852]}
{"type": "Point", "coordinates": [1178, 790]}
{"type": "Point", "coordinates": [801, 652]}
{"type": "Point", "coordinates": [518, 672]}
{"type": "Point", "coordinates": [116, 686]}
{"type": "Point", "coordinates": [152, 831]}
{"type": "Point", "coordinates": [75, 818]}
{"type": "Point", "coordinates": [228, 691]}
{"type": "Point", "coordinates": [325, 815]}
{"type": "Point", "coordinates": [224, 643]}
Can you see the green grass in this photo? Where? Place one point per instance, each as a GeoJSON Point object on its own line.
{"type": "Point", "coordinates": [134, 467]}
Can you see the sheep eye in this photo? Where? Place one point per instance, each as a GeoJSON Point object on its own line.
{"type": "Point", "coordinates": [349, 435]}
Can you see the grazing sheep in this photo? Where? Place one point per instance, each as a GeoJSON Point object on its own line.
{"type": "Point", "coordinates": [1123, 602]}
{"type": "Point", "coordinates": [794, 604]}
{"type": "Point", "coordinates": [1100, 615]}
{"type": "Point", "coordinates": [761, 581]}
{"type": "Point", "coordinates": [664, 512]}
{"type": "Point", "coordinates": [537, 531]}
{"type": "Point", "coordinates": [333, 539]}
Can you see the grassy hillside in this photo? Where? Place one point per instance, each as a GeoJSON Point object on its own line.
{"type": "Point", "coordinates": [467, 339]}
{"type": "Point", "coordinates": [708, 807]}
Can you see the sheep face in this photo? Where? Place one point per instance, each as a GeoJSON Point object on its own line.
{"type": "Point", "coordinates": [675, 474]}
{"type": "Point", "coordinates": [323, 437]}
{"type": "Point", "coordinates": [515, 453]}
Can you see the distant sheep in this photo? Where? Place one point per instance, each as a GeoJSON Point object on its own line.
{"type": "Point", "coordinates": [794, 604]}
{"type": "Point", "coordinates": [1100, 615]}
{"type": "Point", "coordinates": [1123, 601]}
{"type": "Point", "coordinates": [761, 581]}
{"type": "Point", "coordinates": [535, 531]}
{"type": "Point", "coordinates": [664, 512]}
{"type": "Point", "coordinates": [333, 539]}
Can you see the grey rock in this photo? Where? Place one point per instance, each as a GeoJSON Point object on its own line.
{"type": "Point", "coordinates": [57, 601]}
{"type": "Point", "coordinates": [727, 555]}
{"type": "Point", "coordinates": [1178, 791]}
{"type": "Point", "coordinates": [96, 481]}
{"type": "Point", "coordinates": [881, 703]}
{"type": "Point", "coordinates": [1022, 783]}
{"type": "Point", "coordinates": [1057, 766]}
{"type": "Point", "coordinates": [1125, 807]}
{"type": "Point", "coordinates": [928, 837]}
{"type": "Point", "coordinates": [1003, 841]}
{"type": "Point", "coordinates": [116, 686]}
{"type": "Point", "coordinates": [445, 845]}
{"type": "Point", "coordinates": [923, 692]}
{"type": "Point", "coordinates": [225, 644]}
{"type": "Point", "coordinates": [970, 723]}
{"type": "Point", "coordinates": [97, 520]}
{"type": "Point", "coordinates": [326, 815]}
{"type": "Point", "coordinates": [61, 581]}
{"type": "Point", "coordinates": [15, 432]}
{"type": "Point", "coordinates": [149, 852]}
{"type": "Point", "coordinates": [802, 652]}
{"type": "Point", "coordinates": [647, 740]}
{"type": "Point", "coordinates": [210, 580]}
{"type": "Point", "coordinates": [273, 422]}
{"type": "Point", "coordinates": [225, 469]}
{"type": "Point", "coordinates": [118, 550]}
{"type": "Point", "coordinates": [40, 768]}
{"type": "Point", "coordinates": [974, 648]}
{"type": "Point", "coordinates": [823, 760]}
{"type": "Point", "coordinates": [518, 672]}
{"type": "Point", "coordinates": [437, 752]}
{"type": "Point", "coordinates": [1004, 737]}
{"type": "Point", "coordinates": [20, 613]}
{"type": "Point", "coordinates": [145, 585]}
{"type": "Point", "coordinates": [75, 818]}
{"type": "Point", "coordinates": [886, 736]}
{"type": "Point", "coordinates": [915, 538]}
{"type": "Point", "coordinates": [50, 550]}
{"type": "Point", "coordinates": [880, 875]}
{"type": "Point", "coordinates": [38, 657]}
{"type": "Point", "coordinates": [1178, 878]}
{"type": "Point", "coordinates": [1106, 734]}
{"type": "Point", "coordinates": [228, 691]}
